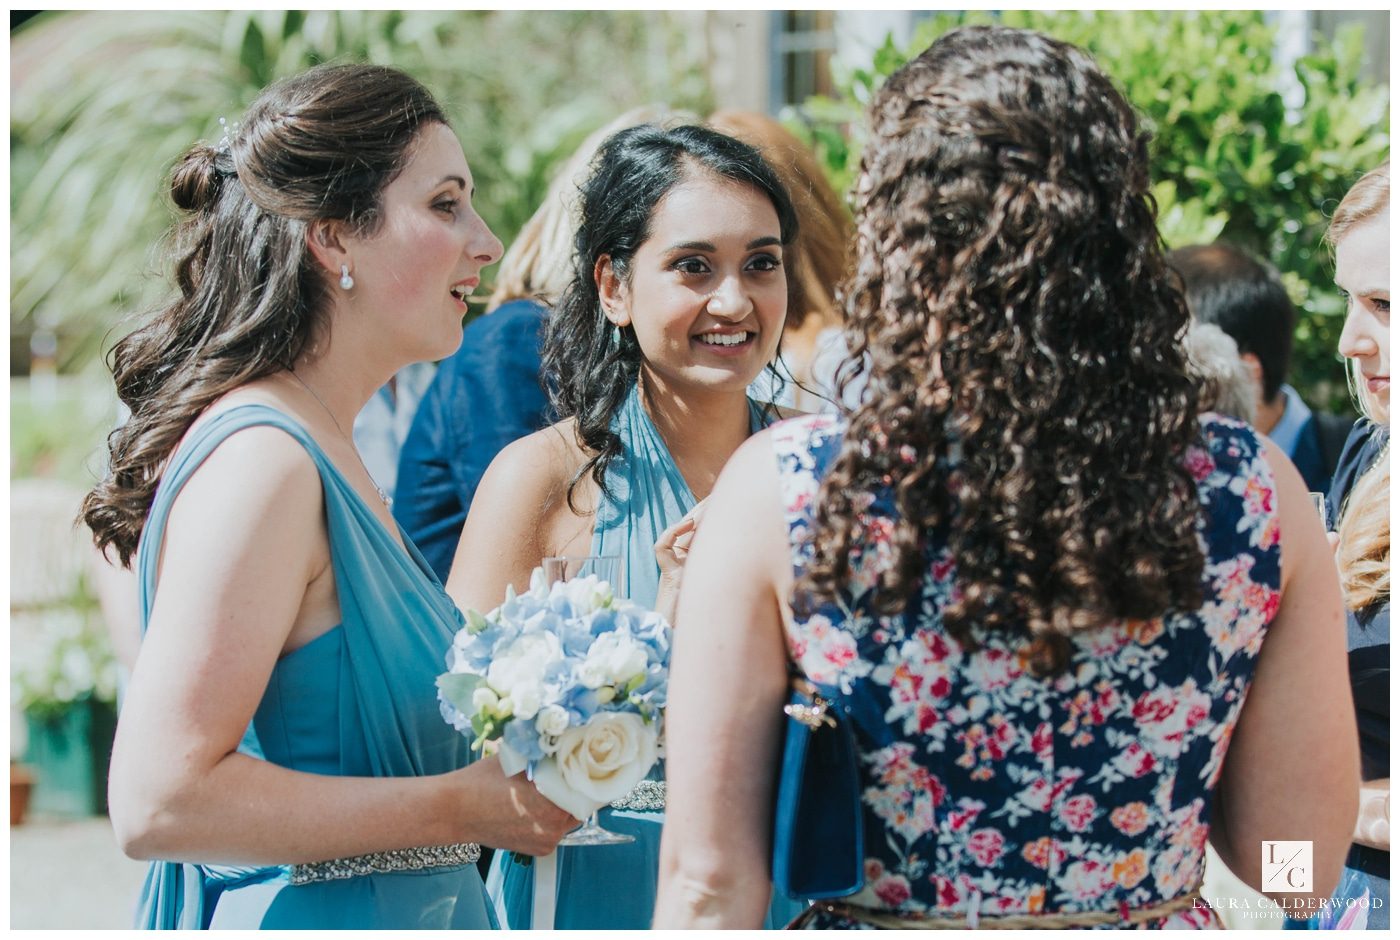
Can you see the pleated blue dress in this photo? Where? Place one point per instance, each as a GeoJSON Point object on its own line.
{"type": "Point", "coordinates": [359, 700]}
{"type": "Point", "coordinates": [613, 887]}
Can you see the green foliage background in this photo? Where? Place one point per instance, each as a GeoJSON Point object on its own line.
{"type": "Point", "coordinates": [103, 103]}
{"type": "Point", "coordinates": [1231, 159]}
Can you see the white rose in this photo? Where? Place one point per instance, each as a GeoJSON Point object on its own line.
{"type": "Point", "coordinates": [598, 763]}
{"type": "Point", "coordinates": [552, 720]}
{"type": "Point", "coordinates": [483, 699]}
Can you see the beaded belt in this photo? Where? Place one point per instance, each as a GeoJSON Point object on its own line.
{"type": "Point", "coordinates": [415, 859]}
{"type": "Point", "coordinates": [648, 796]}
{"type": "Point", "coordinates": [1124, 916]}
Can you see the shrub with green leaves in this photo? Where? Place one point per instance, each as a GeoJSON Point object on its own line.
{"type": "Point", "coordinates": [1231, 159]}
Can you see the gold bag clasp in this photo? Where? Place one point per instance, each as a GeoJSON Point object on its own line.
{"type": "Point", "coordinates": [813, 716]}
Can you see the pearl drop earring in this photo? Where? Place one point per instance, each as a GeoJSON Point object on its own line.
{"type": "Point", "coordinates": [346, 281]}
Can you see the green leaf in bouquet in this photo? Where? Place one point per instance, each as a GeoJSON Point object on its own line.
{"type": "Point", "coordinates": [634, 684]}
{"type": "Point", "coordinates": [476, 622]}
{"type": "Point", "coordinates": [457, 688]}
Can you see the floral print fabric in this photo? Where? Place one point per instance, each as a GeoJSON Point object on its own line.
{"type": "Point", "coordinates": [988, 791]}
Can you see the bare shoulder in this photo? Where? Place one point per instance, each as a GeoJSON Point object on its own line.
{"type": "Point", "coordinates": [744, 528]}
{"type": "Point", "coordinates": [750, 476]}
{"type": "Point", "coordinates": [527, 489]}
{"type": "Point", "coordinates": [559, 442]}
{"type": "Point", "coordinates": [519, 514]}
{"type": "Point", "coordinates": [539, 466]}
{"type": "Point", "coordinates": [257, 495]}
{"type": "Point", "coordinates": [258, 467]}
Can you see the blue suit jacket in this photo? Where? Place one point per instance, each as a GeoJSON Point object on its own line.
{"type": "Point", "coordinates": [482, 398]}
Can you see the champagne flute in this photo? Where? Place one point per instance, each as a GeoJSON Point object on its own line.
{"type": "Point", "coordinates": [566, 568]}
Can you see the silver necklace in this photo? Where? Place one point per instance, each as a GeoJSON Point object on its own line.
{"type": "Point", "coordinates": [383, 496]}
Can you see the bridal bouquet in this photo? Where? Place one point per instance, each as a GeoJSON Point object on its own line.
{"type": "Point", "coordinates": [571, 681]}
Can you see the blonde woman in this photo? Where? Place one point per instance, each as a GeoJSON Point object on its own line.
{"type": "Point", "coordinates": [1360, 236]}
{"type": "Point", "coordinates": [1213, 361]}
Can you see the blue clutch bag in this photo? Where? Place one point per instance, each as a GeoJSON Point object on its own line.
{"type": "Point", "coordinates": [817, 822]}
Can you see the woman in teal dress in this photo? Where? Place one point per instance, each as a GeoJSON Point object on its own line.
{"type": "Point", "coordinates": [676, 304]}
{"type": "Point", "coordinates": [280, 755]}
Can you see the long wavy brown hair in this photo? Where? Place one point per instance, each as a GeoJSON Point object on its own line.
{"type": "Point", "coordinates": [1020, 335]}
{"type": "Point", "coordinates": [319, 145]}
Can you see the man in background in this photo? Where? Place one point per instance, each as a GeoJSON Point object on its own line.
{"type": "Point", "coordinates": [1246, 298]}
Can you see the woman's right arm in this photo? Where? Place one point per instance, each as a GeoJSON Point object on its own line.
{"type": "Point", "coordinates": [245, 538]}
{"type": "Point", "coordinates": [1291, 770]}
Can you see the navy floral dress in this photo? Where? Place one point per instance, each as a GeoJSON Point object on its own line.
{"type": "Point", "coordinates": [988, 791]}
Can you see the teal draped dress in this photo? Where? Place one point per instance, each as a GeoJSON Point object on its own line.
{"type": "Point", "coordinates": [359, 700]}
{"type": "Point", "coordinates": [613, 887]}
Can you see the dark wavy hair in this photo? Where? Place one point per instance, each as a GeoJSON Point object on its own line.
{"type": "Point", "coordinates": [320, 145]}
{"type": "Point", "coordinates": [1021, 339]}
{"type": "Point", "coordinates": [589, 366]}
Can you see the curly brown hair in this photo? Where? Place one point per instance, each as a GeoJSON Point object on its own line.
{"type": "Point", "coordinates": [1020, 339]}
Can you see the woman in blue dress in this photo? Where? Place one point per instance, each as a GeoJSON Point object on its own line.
{"type": "Point", "coordinates": [280, 754]}
{"type": "Point", "coordinates": [676, 304]}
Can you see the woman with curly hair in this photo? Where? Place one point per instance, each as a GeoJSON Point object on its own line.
{"type": "Point", "coordinates": [1068, 622]}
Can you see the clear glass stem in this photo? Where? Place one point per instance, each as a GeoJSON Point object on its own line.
{"type": "Point", "coordinates": [591, 833]}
